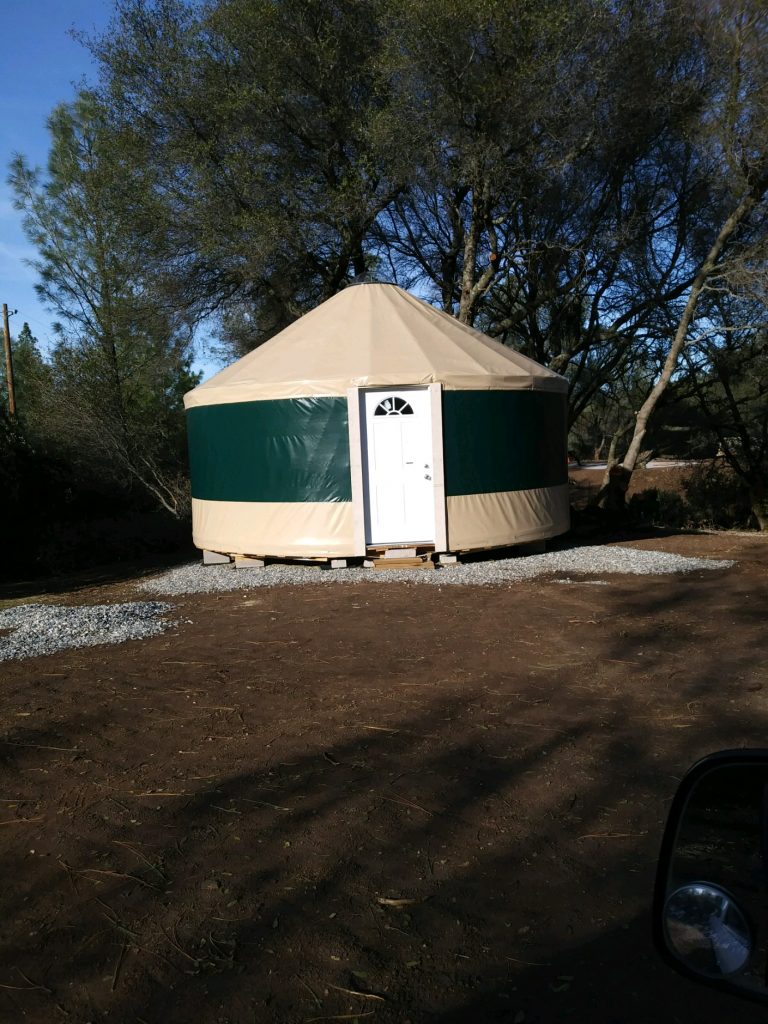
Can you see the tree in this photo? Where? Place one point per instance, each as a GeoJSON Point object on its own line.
{"type": "Point", "coordinates": [485, 89]}
{"type": "Point", "coordinates": [728, 368]}
{"type": "Point", "coordinates": [268, 140]}
{"type": "Point", "coordinates": [732, 138]}
{"type": "Point", "coordinates": [122, 363]}
{"type": "Point", "coordinates": [556, 194]}
{"type": "Point", "coordinates": [451, 144]}
{"type": "Point", "coordinates": [573, 179]}
{"type": "Point", "coordinates": [30, 374]}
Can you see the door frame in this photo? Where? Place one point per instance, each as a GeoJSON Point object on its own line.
{"type": "Point", "coordinates": [356, 460]}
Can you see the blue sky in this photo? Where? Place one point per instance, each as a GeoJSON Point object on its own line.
{"type": "Point", "coordinates": [42, 66]}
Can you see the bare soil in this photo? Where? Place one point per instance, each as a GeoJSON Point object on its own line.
{"type": "Point", "coordinates": [380, 803]}
{"type": "Point", "coordinates": [586, 481]}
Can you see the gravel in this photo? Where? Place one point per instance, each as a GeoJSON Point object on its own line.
{"type": "Point", "coordinates": [46, 628]}
{"type": "Point", "coordinates": [37, 629]}
{"type": "Point", "coordinates": [196, 578]}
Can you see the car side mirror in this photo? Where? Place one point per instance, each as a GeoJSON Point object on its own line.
{"type": "Point", "coordinates": [710, 912]}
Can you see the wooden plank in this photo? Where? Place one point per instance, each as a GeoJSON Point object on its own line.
{"type": "Point", "coordinates": [248, 562]}
{"type": "Point", "coordinates": [380, 550]}
{"type": "Point", "coordinates": [423, 562]}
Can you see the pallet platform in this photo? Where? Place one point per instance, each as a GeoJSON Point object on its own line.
{"type": "Point", "coordinates": [412, 562]}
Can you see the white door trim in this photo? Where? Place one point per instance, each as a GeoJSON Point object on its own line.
{"type": "Point", "coordinates": [356, 470]}
{"type": "Point", "coordinates": [438, 473]}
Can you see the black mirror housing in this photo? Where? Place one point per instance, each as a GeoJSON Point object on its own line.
{"type": "Point", "coordinates": [710, 907]}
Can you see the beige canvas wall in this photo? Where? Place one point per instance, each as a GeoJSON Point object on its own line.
{"type": "Point", "coordinates": [294, 530]}
{"type": "Point", "coordinates": [506, 517]}
{"type": "Point", "coordinates": [282, 529]}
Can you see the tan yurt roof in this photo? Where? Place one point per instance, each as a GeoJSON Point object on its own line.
{"type": "Point", "coordinates": [373, 335]}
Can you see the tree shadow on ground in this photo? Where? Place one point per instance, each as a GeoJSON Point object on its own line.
{"type": "Point", "coordinates": [94, 576]}
{"type": "Point", "coordinates": [377, 840]}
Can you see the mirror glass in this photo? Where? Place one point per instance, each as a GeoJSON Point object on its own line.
{"type": "Point", "coordinates": [714, 911]}
{"type": "Point", "coordinates": [707, 930]}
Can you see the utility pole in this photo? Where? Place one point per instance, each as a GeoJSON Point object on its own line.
{"type": "Point", "coordinates": [9, 364]}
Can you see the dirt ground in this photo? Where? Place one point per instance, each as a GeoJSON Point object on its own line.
{"type": "Point", "coordinates": [381, 803]}
{"type": "Point", "coordinates": [586, 481]}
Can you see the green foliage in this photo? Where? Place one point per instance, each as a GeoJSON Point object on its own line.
{"type": "Point", "coordinates": [110, 399]}
{"type": "Point", "coordinates": [31, 375]}
{"type": "Point", "coordinates": [545, 169]}
{"type": "Point", "coordinates": [266, 132]}
{"type": "Point", "coordinates": [516, 160]}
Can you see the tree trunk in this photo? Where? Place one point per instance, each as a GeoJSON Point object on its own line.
{"type": "Point", "coordinates": [471, 238]}
{"type": "Point", "coordinates": [613, 489]}
{"type": "Point", "coordinates": [450, 258]}
{"type": "Point", "coordinates": [474, 285]}
{"type": "Point", "coordinates": [758, 497]}
{"type": "Point", "coordinates": [613, 496]}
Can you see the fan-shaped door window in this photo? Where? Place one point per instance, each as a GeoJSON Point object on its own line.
{"type": "Point", "coordinates": [393, 406]}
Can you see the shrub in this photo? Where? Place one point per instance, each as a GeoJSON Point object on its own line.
{"type": "Point", "coordinates": [68, 546]}
{"type": "Point", "coordinates": [55, 520]}
{"type": "Point", "coordinates": [717, 498]}
{"type": "Point", "coordinates": [656, 507]}
{"type": "Point", "coordinates": [713, 498]}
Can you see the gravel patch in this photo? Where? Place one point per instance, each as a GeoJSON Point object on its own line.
{"type": "Point", "coordinates": [195, 578]}
{"type": "Point", "coordinates": [45, 628]}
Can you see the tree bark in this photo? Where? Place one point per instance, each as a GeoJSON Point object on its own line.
{"type": "Point", "coordinates": [613, 489]}
{"type": "Point", "coordinates": [471, 239]}
{"type": "Point", "coordinates": [758, 497]}
{"type": "Point", "coordinates": [474, 286]}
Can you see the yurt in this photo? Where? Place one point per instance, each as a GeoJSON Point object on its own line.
{"type": "Point", "coordinates": [375, 422]}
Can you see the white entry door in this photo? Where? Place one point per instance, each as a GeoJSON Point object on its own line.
{"type": "Point", "coordinates": [397, 466]}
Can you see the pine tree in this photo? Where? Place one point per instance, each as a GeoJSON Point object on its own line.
{"type": "Point", "coordinates": [123, 361]}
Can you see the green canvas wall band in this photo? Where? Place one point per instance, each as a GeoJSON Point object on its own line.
{"type": "Point", "coordinates": [504, 441]}
{"type": "Point", "coordinates": [291, 450]}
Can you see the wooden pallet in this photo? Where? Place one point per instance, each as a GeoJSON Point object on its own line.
{"type": "Point", "coordinates": [413, 562]}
